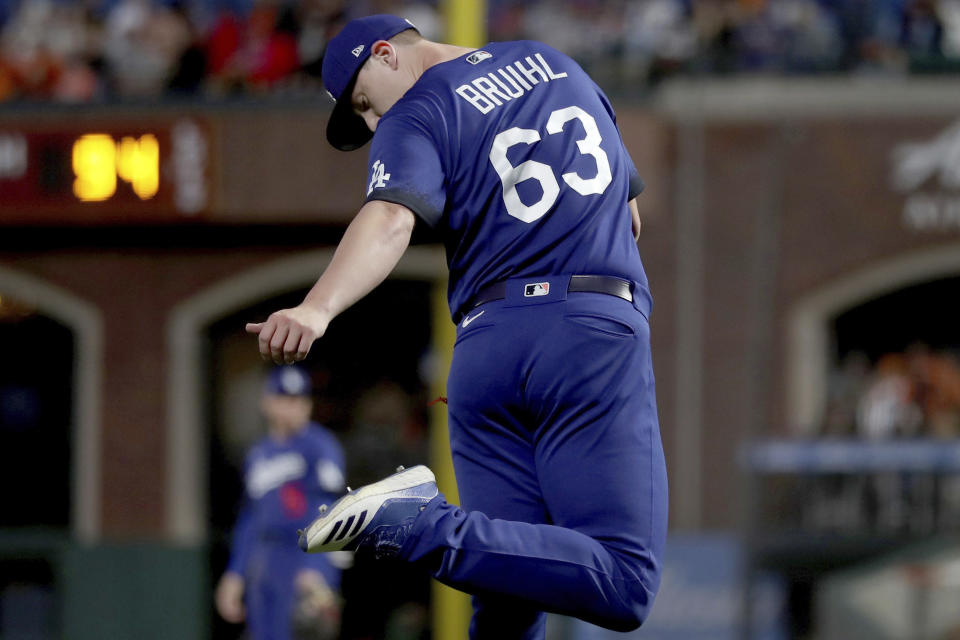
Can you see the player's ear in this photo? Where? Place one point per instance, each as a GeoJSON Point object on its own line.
{"type": "Point", "coordinates": [383, 51]}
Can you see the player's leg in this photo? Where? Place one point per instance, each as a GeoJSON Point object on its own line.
{"type": "Point", "coordinates": [274, 598]}
{"type": "Point", "coordinates": [609, 579]}
{"type": "Point", "coordinates": [496, 475]}
{"type": "Point", "coordinates": [599, 455]}
{"type": "Point", "coordinates": [549, 567]}
{"type": "Point", "coordinates": [260, 596]}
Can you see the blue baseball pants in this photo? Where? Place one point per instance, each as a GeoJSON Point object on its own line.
{"type": "Point", "coordinates": [270, 593]}
{"type": "Point", "coordinates": [559, 464]}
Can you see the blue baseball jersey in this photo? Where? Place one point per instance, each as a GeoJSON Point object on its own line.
{"type": "Point", "coordinates": [285, 482]}
{"type": "Point", "coordinates": [513, 154]}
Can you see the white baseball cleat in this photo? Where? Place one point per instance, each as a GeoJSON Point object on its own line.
{"type": "Point", "coordinates": [377, 516]}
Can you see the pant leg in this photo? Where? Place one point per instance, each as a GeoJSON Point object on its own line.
{"type": "Point", "coordinates": [599, 456]}
{"type": "Point", "coordinates": [603, 568]}
{"type": "Point", "coordinates": [271, 591]}
{"type": "Point", "coordinates": [495, 468]}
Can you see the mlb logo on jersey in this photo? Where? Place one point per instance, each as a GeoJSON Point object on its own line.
{"type": "Point", "coordinates": [535, 289]}
{"type": "Point", "coordinates": [478, 56]}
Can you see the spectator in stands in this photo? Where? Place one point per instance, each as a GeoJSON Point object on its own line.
{"type": "Point", "coordinates": [505, 20]}
{"type": "Point", "coordinates": [715, 23]}
{"type": "Point", "coordinates": [589, 31]}
{"type": "Point", "coordinates": [54, 50]}
{"type": "Point", "coordinates": [191, 66]}
{"type": "Point", "coordinates": [44, 54]}
{"type": "Point", "coordinates": [757, 42]}
{"type": "Point", "coordinates": [887, 408]}
{"type": "Point", "coordinates": [659, 39]}
{"type": "Point", "coordinates": [319, 21]}
{"type": "Point", "coordinates": [255, 53]}
{"type": "Point", "coordinates": [921, 32]}
{"type": "Point", "coordinates": [845, 388]}
{"type": "Point", "coordinates": [935, 378]}
{"type": "Point", "coordinates": [810, 33]}
{"type": "Point", "coordinates": [143, 45]}
{"type": "Point", "coordinates": [949, 12]}
{"type": "Point", "coordinates": [911, 394]}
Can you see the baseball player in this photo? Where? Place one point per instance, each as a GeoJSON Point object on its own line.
{"type": "Point", "coordinates": [287, 475]}
{"type": "Point", "coordinates": [512, 153]}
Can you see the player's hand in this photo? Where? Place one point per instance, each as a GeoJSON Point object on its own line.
{"type": "Point", "coordinates": [287, 335]}
{"type": "Point", "coordinates": [310, 581]}
{"type": "Point", "coordinates": [229, 598]}
{"type": "Point", "coordinates": [316, 611]}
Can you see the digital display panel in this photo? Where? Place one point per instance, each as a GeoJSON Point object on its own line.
{"type": "Point", "coordinates": [89, 173]}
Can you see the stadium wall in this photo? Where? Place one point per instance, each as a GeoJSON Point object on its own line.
{"type": "Point", "coordinates": [760, 194]}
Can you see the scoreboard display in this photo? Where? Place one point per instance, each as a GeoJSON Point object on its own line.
{"type": "Point", "coordinates": [88, 173]}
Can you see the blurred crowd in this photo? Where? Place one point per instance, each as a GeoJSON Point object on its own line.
{"type": "Point", "coordinates": [648, 40]}
{"type": "Point", "coordinates": [911, 394]}
{"type": "Point", "coordinates": [90, 50]}
{"type": "Point", "coordinates": [898, 395]}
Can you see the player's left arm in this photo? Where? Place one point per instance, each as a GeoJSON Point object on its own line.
{"type": "Point", "coordinates": [636, 182]}
{"type": "Point", "coordinates": [228, 595]}
{"type": "Point", "coordinates": [370, 248]}
{"type": "Point", "coordinates": [635, 218]}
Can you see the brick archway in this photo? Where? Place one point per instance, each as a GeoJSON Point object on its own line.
{"type": "Point", "coordinates": [86, 323]}
{"type": "Point", "coordinates": [809, 322]}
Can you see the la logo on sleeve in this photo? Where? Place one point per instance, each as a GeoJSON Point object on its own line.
{"type": "Point", "coordinates": [378, 177]}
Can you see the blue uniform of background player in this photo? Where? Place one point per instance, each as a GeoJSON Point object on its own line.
{"type": "Point", "coordinates": [512, 153]}
{"type": "Point", "coordinates": [287, 475]}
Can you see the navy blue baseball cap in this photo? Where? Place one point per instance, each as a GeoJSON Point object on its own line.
{"type": "Point", "coordinates": [288, 381]}
{"type": "Point", "coordinates": [345, 54]}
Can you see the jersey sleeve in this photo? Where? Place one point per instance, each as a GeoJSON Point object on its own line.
{"type": "Point", "coordinates": [330, 467]}
{"type": "Point", "coordinates": [405, 168]}
{"type": "Point", "coordinates": [327, 467]}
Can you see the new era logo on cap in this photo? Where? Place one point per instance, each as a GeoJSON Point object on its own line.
{"type": "Point", "coordinates": [357, 51]}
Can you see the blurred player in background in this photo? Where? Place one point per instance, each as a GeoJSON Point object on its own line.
{"type": "Point", "coordinates": [512, 154]}
{"type": "Point", "coordinates": [298, 465]}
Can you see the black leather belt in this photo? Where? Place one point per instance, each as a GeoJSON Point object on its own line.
{"type": "Point", "coordinates": [610, 285]}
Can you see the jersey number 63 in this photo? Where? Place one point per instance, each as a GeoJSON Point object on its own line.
{"type": "Point", "coordinates": [511, 175]}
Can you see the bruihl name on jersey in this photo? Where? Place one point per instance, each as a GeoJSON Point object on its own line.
{"type": "Point", "coordinates": [490, 91]}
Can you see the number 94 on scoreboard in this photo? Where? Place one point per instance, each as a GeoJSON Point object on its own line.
{"type": "Point", "coordinates": [87, 174]}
